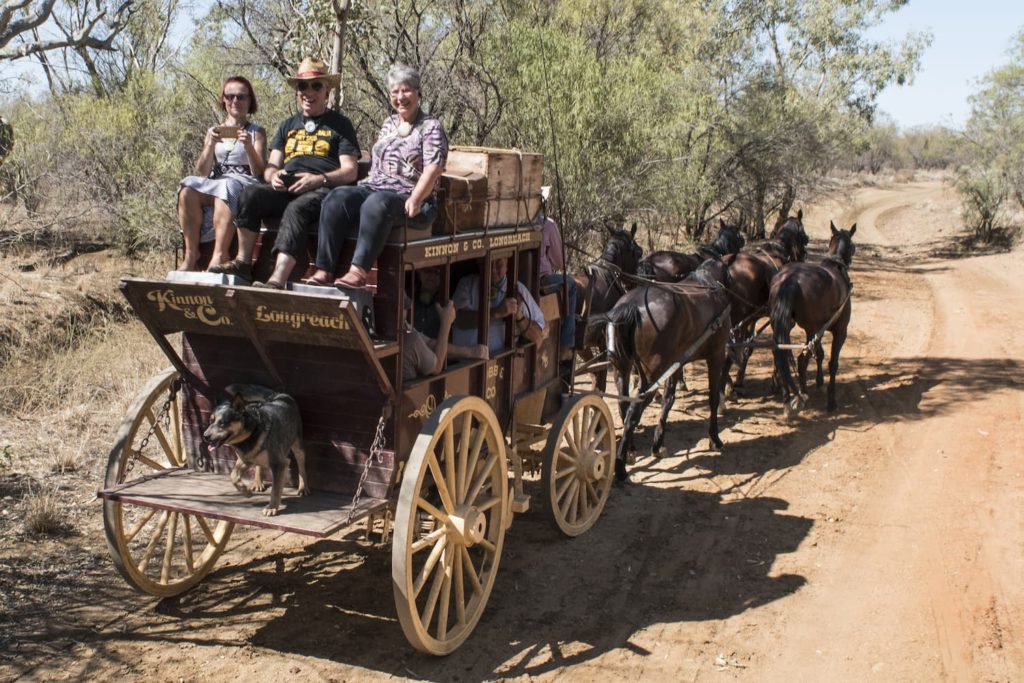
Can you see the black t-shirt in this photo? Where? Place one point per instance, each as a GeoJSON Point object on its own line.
{"type": "Point", "coordinates": [315, 152]}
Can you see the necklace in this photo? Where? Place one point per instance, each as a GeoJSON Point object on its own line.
{"type": "Point", "coordinates": [310, 126]}
{"type": "Point", "coordinates": [404, 128]}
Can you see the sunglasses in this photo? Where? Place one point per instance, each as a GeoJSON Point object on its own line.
{"type": "Point", "coordinates": [241, 97]}
{"type": "Point", "coordinates": [302, 86]}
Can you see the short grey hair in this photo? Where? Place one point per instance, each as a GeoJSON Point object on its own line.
{"type": "Point", "coordinates": [403, 74]}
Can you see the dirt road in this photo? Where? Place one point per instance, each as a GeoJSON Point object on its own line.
{"type": "Point", "coordinates": [884, 542]}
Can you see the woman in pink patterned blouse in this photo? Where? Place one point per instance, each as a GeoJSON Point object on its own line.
{"type": "Point", "coordinates": [407, 159]}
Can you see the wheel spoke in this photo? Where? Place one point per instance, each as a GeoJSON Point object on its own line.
{"type": "Point", "coordinates": [481, 478]}
{"type": "Point", "coordinates": [566, 502]}
{"type": "Point", "coordinates": [467, 563]}
{"type": "Point", "coordinates": [592, 492]}
{"type": "Point", "coordinates": [187, 535]}
{"type": "Point", "coordinates": [206, 530]}
{"type": "Point", "coordinates": [446, 596]}
{"type": "Point", "coordinates": [432, 511]}
{"type": "Point", "coordinates": [439, 483]}
{"type": "Point", "coordinates": [429, 565]}
{"type": "Point", "coordinates": [165, 569]}
{"type": "Point", "coordinates": [151, 546]}
{"type": "Point", "coordinates": [486, 505]}
{"type": "Point", "coordinates": [466, 435]}
{"type": "Point", "coordinates": [596, 439]}
{"type": "Point", "coordinates": [149, 461]}
{"type": "Point", "coordinates": [148, 515]}
{"type": "Point", "coordinates": [175, 422]}
{"type": "Point", "coordinates": [435, 593]}
{"type": "Point", "coordinates": [488, 546]}
{"type": "Point", "coordinates": [460, 587]}
{"type": "Point", "coordinates": [428, 540]}
{"type": "Point", "coordinates": [473, 462]}
{"type": "Point", "coordinates": [584, 506]}
{"type": "Point", "coordinates": [449, 463]}
{"type": "Point", "coordinates": [570, 436]}
{"type": "Point", "coordinates": [560, 491]}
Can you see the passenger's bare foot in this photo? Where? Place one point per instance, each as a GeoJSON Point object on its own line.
{"type": "Point", "coordinates": [189, 262]}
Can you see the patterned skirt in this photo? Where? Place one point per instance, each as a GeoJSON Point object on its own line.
{"type": "Point", "coordinates": [227, 187]}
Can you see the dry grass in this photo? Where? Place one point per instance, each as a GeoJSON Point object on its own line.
{"type": "Point", "coordinates": [42, 514]}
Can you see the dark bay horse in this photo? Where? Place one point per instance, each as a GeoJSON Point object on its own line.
{"type": "Point", "coordinates": [673, 266]}
{"type": "Point", "coordinates": [651, 329]}
{"type": "Point", "coordinates": [750, 276]}
{"type": "Point", "coordinates": [601, 286]}
{"type": "Point", "coordinates": [817, 298]}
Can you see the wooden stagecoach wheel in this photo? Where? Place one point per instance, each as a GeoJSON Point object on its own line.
{"type": "Point", "coordinates": [450, 525]}
{"type": "Point", "coordinates": [159, 552]}
{"type": "Point", "coordinates": [578, 464]}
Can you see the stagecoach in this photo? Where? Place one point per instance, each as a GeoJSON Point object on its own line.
{"type": "Point", "coordinates": [442, 460]}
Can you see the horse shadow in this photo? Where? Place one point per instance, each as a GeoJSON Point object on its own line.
{"type": "Point", "coordinates": [896, 390]}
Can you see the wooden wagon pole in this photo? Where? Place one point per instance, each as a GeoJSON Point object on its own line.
{"type": "Point", "coordinates": [341, 7]}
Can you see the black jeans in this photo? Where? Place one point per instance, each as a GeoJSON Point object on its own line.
{"type": "Point", "coordinates": [299, 214]}
{"type": "Point", "coordinates": [373, 213]}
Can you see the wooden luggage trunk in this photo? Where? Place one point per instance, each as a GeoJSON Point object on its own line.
{"type": "Point", "coordinates": [513, 181]}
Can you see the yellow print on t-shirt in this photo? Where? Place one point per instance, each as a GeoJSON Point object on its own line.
{"type": "Point", "coordinates": [301, 143]}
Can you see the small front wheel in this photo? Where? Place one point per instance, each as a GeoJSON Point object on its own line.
{"type": "Point", "coordinates": [450, 525]}
{"type": "Point", "coordinates": [159, 552]}
{"type": "Point", "coordinates": [578, 464]}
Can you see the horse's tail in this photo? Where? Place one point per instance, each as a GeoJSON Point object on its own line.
{"type": "Point", "coordinates": [620, 325]}
{"type": "Point", "coordinates": [782, 322]}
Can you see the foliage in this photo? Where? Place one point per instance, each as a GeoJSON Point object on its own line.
{"type": "Point", "coordinates": [984, 191]}
{"type": "Point", "coordinates": [672, 112]}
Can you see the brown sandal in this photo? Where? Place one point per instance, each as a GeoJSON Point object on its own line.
{"type": "Point", "coordinates": [314, 280]}
{"type": "Point", "coordinates": [351, 280]}
{"type": "Point", "coordinates": [267, 285]}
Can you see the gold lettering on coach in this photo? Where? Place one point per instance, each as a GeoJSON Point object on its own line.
{"type": "Point", "coordinates": [194, 307]}
{"type": "Point", "coordinates": [297, 320]}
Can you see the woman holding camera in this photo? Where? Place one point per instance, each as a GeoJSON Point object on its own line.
{"type": "Point", "coordinates": [231, 159]}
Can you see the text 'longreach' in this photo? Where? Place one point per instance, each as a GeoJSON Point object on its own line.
{"type": "Point", "coordinates": [297, 320]}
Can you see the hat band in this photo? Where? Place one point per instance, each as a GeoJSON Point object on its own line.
{"type": "Point", "coordinates": [310, 74]}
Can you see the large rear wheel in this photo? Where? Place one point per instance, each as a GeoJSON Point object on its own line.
{"type": "Point", "coordinates": [578, 463]}
{"type": "Point", "coordinates": [450, 525]}
{"type": "Point", "coordinates": [159, 552]}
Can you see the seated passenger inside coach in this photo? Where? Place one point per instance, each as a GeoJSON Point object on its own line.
{"type": "Point", "coordinates": [425, 347]}
{"type": "Point", "coordinates": [520, 307]}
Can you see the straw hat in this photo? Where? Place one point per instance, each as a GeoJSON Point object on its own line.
{"type": "Point", "coordinates": [314, 70]}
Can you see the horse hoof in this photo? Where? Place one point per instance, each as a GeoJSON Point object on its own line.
{"type": "Point", "coordinates": [729, 392]}
{"type": "Point", "coordinates": [792, 407]}
{"type": "Point", "coordinates": [659, 452]}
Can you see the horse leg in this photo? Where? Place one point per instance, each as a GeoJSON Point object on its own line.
{"type": "Point", "coordinates": [838, 339]}
{"type": "Point", "coordinates": [745, 351]}
{"type": "Point", "coordinates": [629, 424]}
{"type": "Point", "coordinates": [715, 363]}
{"type": "Point", "coordinates": [819, 355]}
{"type": "Point", "coordinates": [802, 360]}
{"type": "Point", "coordinates": [622, 385]}
{"type": "Point", "coordinates": [668, 399]}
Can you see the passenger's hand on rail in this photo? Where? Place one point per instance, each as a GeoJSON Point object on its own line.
{"type": "Point", "coordinates": [446, 313]}
{"type": "Point", "coordinates": [507, 307]}
{"type": "Point", "coordinates": [412, 207]}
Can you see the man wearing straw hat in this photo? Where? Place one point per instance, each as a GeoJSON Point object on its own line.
{"type": "Point", "coordinates": [312, 152]}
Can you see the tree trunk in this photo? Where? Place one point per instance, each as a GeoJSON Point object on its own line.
{"type": "Point", "coordinates": [337, 96]}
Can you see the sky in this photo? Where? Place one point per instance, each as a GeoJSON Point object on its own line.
{"type": "Point", "coordinates": [971, 37]}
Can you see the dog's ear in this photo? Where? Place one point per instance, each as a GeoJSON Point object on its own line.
{"type": "Point", "coordinates": [237, 402]}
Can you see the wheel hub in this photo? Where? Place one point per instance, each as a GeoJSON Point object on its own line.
{"type": "Point", "coordinates": [591, 466]}
{"type": "Point", "coordinates": [470, 525]}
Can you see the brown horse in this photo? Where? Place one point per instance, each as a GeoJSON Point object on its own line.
{"type": "Point", "coordinates": [817, 298]}
{"type": "Point", "coordinates": [750, 276]}
{"type": "Point", "coordinates": [602, 285]}
{"type": "Point", "coordinates": [673, 266]}
{"type": "Point", "coordinates": [655, 330]}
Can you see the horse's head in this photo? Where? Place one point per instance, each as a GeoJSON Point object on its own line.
{"type": "Point", "coordinates": [729, 239]}
{"type": "Point", "coordinates": [790, 232]}
{"type": "Point", "coordinates": [622, 249]}
{"type": "Point", "coordinates": [841, 245]}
